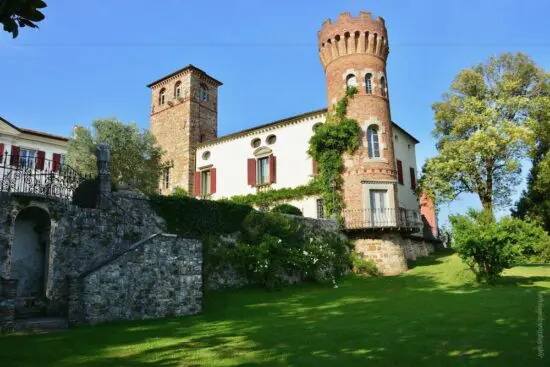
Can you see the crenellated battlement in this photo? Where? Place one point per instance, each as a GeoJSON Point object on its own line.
{"type": "Point", "coordinates": [351, 35]}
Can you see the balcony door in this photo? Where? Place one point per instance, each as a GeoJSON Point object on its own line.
{"type": "Point", "coordinates": [379, 212]}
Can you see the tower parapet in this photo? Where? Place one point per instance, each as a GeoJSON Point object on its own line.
{"type": "Point", "coordinates": [351, 35]}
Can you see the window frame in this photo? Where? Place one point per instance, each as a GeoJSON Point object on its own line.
{"type": "Point", "coordinates": [24, 158]}
{"type": "Point", "coordinates": [383, 86]}
{"type": "Point", "coordinates": [204, 93]}
{"type": "Point", "coordinates": [265, 179]}
{"type": "Point", "coordinates": [177, 89]}
{"type": "Point", "coordinates": [368, 83]}
{"type": "Point", "coordinates": [166, 178]}
{"type": "Point", "coordinates": [373, 145]}
{"type": "Point", "coordinates": [162, 96]}
{"type": "Point", "coordinates": [206, 183]}
{"type": "Point", "coordinates": [349, 77]}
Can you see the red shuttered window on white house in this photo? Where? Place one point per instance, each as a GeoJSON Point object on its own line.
{"type": "Point", "coordinates": [262, 171]}
{"type": "Point", "coordinates": [205, 182]}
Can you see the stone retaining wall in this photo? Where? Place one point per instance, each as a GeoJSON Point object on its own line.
{"type": "Point", "coordinates": [390, 251]}
{"type": "Point", "coordinates": [162, 276]}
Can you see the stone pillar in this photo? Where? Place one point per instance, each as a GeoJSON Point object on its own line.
{"type": "Point", "coordinates": [103, 154]}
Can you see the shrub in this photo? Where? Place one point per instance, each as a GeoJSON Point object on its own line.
{"type": "Point", "coordinates": [287, 209]}
{"type": "Point", "coordinates": [179, 192]}
{"type": "Point", "coordinates": [190, 217]}
{"type": "Point", "coordinates": [362, 266]}
{"type": "Point", "coordinates": [488, 247]}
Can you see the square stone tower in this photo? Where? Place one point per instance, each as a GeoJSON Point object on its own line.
{"type": "Point", "coordinates": [184, 113]}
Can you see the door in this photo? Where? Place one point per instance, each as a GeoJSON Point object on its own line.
{"type": "Point", "coordinates": [379, 208]}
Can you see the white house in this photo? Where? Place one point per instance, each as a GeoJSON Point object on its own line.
{"type": "Point", "coordinates": [274, 156]}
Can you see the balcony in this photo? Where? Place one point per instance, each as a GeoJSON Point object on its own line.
{"type": "Point", "coordinates": [380, 219]}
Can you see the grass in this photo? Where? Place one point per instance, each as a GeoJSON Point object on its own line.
{"type": "Point", "coordinates": [433, 315]}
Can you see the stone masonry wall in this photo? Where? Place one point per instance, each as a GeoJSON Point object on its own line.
{"type": "Point", "coordinates": [160, 277]}
{"type": "Point", "coordinates": [390, 251]}
{"type": "Point", "coordinates": [79, 238]}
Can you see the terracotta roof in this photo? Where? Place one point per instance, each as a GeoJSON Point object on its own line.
{"type": "Point", "coordinates": [282, 122]}
{"type": "Point", "coordinates": [34, 132]}
{"type": "Point", "coordinates": [188, 67]}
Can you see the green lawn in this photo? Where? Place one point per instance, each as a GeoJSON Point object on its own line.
{"type": "Point", "coordinates": [431, 316]}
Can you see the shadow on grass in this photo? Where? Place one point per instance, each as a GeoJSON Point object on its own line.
{"type": "Point", "coordinates": [405, 320]}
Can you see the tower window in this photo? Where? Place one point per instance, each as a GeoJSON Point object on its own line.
{"type": "Point", "coordinates": [368, 83]}
{"type": "Point", "coordinates": [204, 93]}
{"type": "Point", "coordinates": [166, 178]}
{"type": "Point", "coordinates": [374, 145]}
{"type": "Point", "coordinates": [383, 86]}
{"type": "Point", "coordinates": [177, 90]}
{"type": "Point", "coordinates": [162, 96]}
{"type": "Point", "coordinates": [351, 81]}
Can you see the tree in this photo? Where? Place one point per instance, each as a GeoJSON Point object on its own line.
{"type": "Point", "coordinates": [488, 247]}
{"type": "Point", "coordinates": [20, 13]}
{"type": "Point", "coordinates": [484, 127]}
{"type": "Point", "coordinates": [135, 156]}
{"type": "Point", "coordinates": [535, 201]}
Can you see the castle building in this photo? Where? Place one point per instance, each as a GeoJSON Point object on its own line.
{"type": "Point", "coordinates": [382, 209]}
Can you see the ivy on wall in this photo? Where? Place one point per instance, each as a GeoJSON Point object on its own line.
{"type": "Point", "coordinates": [271, 198]}
{"type": "Point", "coordinates": [331, 140]}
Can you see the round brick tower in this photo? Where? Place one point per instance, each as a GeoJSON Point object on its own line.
{"type": "Point", "coordinates": [353, 52]}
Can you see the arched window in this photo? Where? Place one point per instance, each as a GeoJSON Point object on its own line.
{"type": "Point", "coordinates": [351, 81]}
{"type": "Point", "coordinates": [162, 96]}
{"type": "Point", "coordinates": [204, 93]}
{"type": "Point", "coordinates": [368, 83]}
{"type": "Point", "coordinates": [177, 90]}
{"type": "Point", "coordinates": [383, 86]}
{"type": "Point", "coordinates": [374, 145]}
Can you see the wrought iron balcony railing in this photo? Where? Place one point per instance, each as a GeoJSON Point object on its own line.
{"type": "Point", "coordinates": [37, 176]}
{"type": "Point", "coordinates": [355, 219]}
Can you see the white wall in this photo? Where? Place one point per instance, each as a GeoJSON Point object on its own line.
{"type": "Point", "coordinates": [229, 157]}
{"type": "Point", "coordinates": [404, 150]}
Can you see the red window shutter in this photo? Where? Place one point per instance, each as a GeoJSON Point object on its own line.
{"type": "Point", "coordinates": [56, 162]}
{"type": "Point", "coordinates": [197, 184]}
{"type": "Point", "coordinates": [314, 167]}
{"type": "Point", "coordinates": [14, 159]}
{"type": "Point", "coordinates": [251, 171]}
{"type": "Point", "coordinates": [272, 169]}
{"type": "Point", "coordinates": [212, 180]}
{"type": "Point", "coordinates": [40, 158]}
{"type": "Point", "coordinates": [413, 179]}
{"type": "Point", "coordinates": [400, 172]}
{"type": "Point", "coordinates": [1, 153]}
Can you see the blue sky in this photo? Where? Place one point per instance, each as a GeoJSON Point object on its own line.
{"type": "Point", "coordinates": [92, 59]}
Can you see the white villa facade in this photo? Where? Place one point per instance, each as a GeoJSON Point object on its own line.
{"type": "Point", "coordinates": [274, 156]}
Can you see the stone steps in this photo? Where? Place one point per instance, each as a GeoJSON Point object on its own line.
{"type": "Point", "coordinates": [41, 324]}
{"type": "Point", "coordinates": [28, 312]}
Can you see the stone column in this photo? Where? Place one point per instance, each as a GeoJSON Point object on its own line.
{"type": "Point", "coordinates": [103, 154]}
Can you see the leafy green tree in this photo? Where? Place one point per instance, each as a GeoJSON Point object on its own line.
{"type": "Point", "coordinates": [535, 201]}
{"type": "Point", "coordinates": [20, 13]}
{"type": "Point", "coordinates": [488, 247]}
{"type": "Point", "coordinates": [484, 127]}
{"type": "Point", "coordinates": [135, 156]}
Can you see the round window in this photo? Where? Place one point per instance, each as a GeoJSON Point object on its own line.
{"type": "Point", "coordinates": [206, 155]}
{"type": "Point", "coordinates": [256, 143]}
{"type": "Point", "coordinates": [271, 139]}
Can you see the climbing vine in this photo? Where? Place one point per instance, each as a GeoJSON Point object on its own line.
{"type": "Point", "coordinates": [331, 140]}
{"type": "Point", "coordinates": [271, 198]}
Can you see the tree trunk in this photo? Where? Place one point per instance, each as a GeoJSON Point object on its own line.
{"type": "Point", "coordinates": [487, 204]}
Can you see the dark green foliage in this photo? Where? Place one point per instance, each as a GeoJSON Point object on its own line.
{"type": "Point", "coordinates": [331, 140]}
{"type": "Point", "coordinates": [190, 217]}
{"type": "Point", "coordinates": [20, 13]}
{"type": "Point", "coordinates": [269, 198]}
{"type": "Point", "coordinates": [86, 194]}
{"type": "Point", "coordinates": [274, 247]}
{"type": "Point", "coordinates": [488, 247]}
{"type": "Point", "coordinates": [287, 209]}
